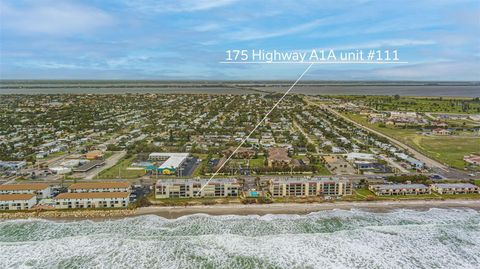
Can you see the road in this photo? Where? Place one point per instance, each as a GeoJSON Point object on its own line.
{"type": "Point", "coordinates": [394, 164]}
{"type": "Point", "coordinates": [108, 163]}
{"type": "Point", "coordinates": [429, 162]}
{"type": "Point", "coordinates": [295, 123]}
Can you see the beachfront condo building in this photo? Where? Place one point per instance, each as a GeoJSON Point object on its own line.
{"type": "Point", "coordinates": [455, 188]}
{"type": "Point", "coordinates": [399, 189]}
{"type": "Point", "coordinates": [41, 190]}
{"type": "Point", "coordinates": [91, 200]}
{"type": "Point", "coordinates": [17, 201]}
{"type": "Point", "coordinates": [313, 186]}
{"type": "Point", "coordinates": [191, 188]}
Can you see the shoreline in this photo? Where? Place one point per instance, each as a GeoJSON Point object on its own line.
{"type": "Point", "coordinates": [173, 212]}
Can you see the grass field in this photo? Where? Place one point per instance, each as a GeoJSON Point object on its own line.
{"type": "Point", "coordinates": [420, 104]}
{"type": "Point", "coordinates": [120, 170]}
{"type": "Point", "coordinates": [446, 149]}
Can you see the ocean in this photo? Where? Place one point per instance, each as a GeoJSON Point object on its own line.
{"type": "Point", "coordinates": [435, 238]}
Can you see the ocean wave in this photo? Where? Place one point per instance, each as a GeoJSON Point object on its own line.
{"type": "Point", "coordinates": [436, 238]}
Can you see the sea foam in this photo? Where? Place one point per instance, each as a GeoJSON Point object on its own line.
{"type": "Point", "coordinates": [437, 238]}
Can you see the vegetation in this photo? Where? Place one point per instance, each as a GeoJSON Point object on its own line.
{"type": "Point", "coordinates": [448, 149]}
{"type": "Point", "coordinates": [120, 170]}
{"type": "Point", "coordinates": [418, 104]}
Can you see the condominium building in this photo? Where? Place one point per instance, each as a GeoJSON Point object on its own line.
{"type": "Point", "coordinates": [17, 201]}
{"type": "Point", "coordinates": [91, 200]}
{"type": "Point", "coordinates": [190, 188]}
{"type": "Point", "coordinates": [301, 187]}
{"type": "Point", "coordinates": [100, 187]}
{"type": "Point", "coordinates": [455, 188]}
{"type": "Point", "coordinates": [399, 189]}
{"type": "Point", "coordinates": [41, 190]}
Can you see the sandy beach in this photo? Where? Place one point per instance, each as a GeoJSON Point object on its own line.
{"type": "Point", "coordinates": [173, 212]}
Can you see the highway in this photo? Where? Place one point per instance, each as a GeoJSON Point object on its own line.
{"type": "Point", "coordinates": [428, 161]}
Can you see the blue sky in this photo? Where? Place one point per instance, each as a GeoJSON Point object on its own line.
{"type": "Point", "coordinates": [147, 39]}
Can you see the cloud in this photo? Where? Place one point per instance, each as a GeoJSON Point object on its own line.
{"type": "Point", "coordinates": [392, 43]}
{"type": "Point", "coordinates": [441, 70]}
{"type": "Point", "coordinates": [54, 18]}
{"type": "Point", "coordinates": [252, 34]}
{"type": "Point", "coordinates": [177, 6]}
{"type": "Point", "coordinates": [209, 27]}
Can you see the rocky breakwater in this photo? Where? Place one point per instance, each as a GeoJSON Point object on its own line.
{"type": "Point", "coordinates": [68, 214]}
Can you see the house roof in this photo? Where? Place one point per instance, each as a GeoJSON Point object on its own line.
{"type": "Point", "coordinates": [24, 186]}
{"type": "Point", "coordinates": [454, 185]}
{"type": "Point", "coordinates": [99, 185]}
{"type": "Point", "coordinates": [399, 186]}
{"type": "Point", "coordinates": [11, 197]}
{"type": "Point", "coordinates": [91, 195]}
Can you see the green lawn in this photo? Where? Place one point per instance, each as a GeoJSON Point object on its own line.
{"type": "Point", "coordinates": [120, 170]}
{"type": "Point", "coordinates": [322, 170]}
{"type": "Point", "coordinates": [477, 182]}
{"type": "Point", "coordinates": [419, 104]}
{"type": "Point", "coordinates": [446, 149]}
{"type": "Point", "coordinates": [257, 162]}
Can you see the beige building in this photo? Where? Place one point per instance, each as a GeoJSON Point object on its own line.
{"type": "Point", "coordinates": [455, 188]}
{"type": "Point", "coordinates": [41, 190]}
{"type": "Point", "coordinates": [302, 187]}
{"type": "Point", "coordinates": [91, 200]}
{"type": "Point", "coordinates": [190, 188]}
{"type": "Point", "coordinates": [399, 189]}
{"type": "Point", "coordinates": [100, 187]}
{"type": "Point", "coordinates": [17, 201]}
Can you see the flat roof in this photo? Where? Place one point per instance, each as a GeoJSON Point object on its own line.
{"type": "Point", "coordinates": [11, 197]}
{"type": "Point", "coordinates": [399, 186]}
{"type": "Point", "coordinates": [307, 179]}
{"type": "Point", "coordinates": [89, 165]}
{"type": "Point", "coordinates": [168, 154]}
{"type": "Point", "coordinates": [99, 185]}
{"type": "Point", "coordinates": [194, 180]}
{"type": "Point", "coordinates": [174, 161]}
{"type": "Point", "coordinates": [91, 195]}
{"type": "Point", "coordinates": [24, 186]}
{"type": "Point", "coordinates": [455, 185]}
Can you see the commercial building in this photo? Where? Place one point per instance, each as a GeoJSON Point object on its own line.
{"type": "Point", "coordinates": [171, 162]}
{"type": "Point", "coordinates": [93, 155]}
{"type": "Point", "coordinates": [472, 159]}
{"type": "Point", "coordinates": [358, 156]}
{"type": "Point", "coordinates": [412, 161]}
{"type": "Point", "coordinates": [302, 187]}
{"type": "Point", "coordinates": [40, 190]}
{"type": "Point", "coordinates": [455, 188]}
{"type": "Point", "coordinates": [17, 201]}
{"type": "Point", "coordinates": [91, 200]}
{"type": "Point", "coordinates": [399, 189]}
{"type": "Point", "coordinates": [190, 188]}
{"type": "Point", "coordinates": [99, 187]}
{"type": "Point", "coordinates": [89, 166]}
{"type": "Point", "coordinates": [12, 165]}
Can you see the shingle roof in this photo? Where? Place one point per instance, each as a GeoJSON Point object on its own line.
{"type": "Point", "coordinates": [24, 186]}
{"type": "Point", "coordinates": [10, 197]}
{"type": "Point", "coordinates": [91, 195]}
{"type": "Point", "coordinates": [99, 185]}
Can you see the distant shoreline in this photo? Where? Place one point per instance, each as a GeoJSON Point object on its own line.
{"type": "Point", "coordinates": [452, 89]}
{"type": "Point", "coordinates": [173, 212]}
